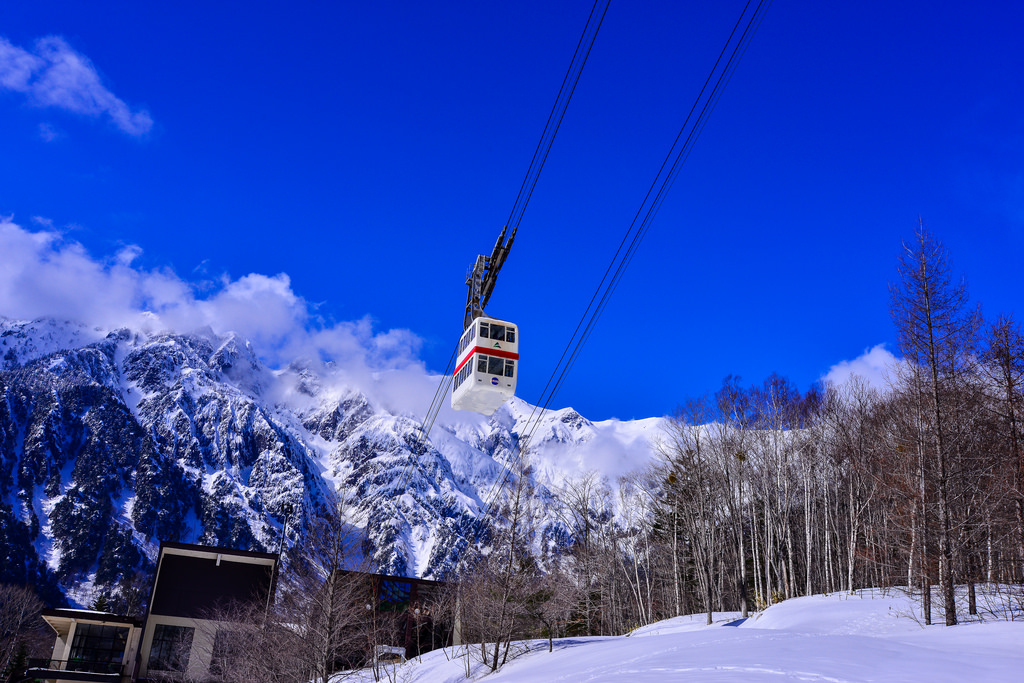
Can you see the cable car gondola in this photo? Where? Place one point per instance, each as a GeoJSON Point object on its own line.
{"type": "Point", "coordinates": [485, 374]}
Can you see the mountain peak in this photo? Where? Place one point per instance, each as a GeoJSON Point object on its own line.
{"type": "Point", "coordinates": [135, 437]}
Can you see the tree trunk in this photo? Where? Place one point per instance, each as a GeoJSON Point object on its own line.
{"type": "Point", "coordinates": [744, 606]}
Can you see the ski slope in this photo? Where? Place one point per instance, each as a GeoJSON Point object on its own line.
{"type": "Point", "coordinates": [839, 638]}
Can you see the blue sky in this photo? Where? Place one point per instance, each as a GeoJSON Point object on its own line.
{"type": "Point", "coordinates": [370, 150]}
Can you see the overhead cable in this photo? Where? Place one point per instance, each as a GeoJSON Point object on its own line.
{"type": "Point", "coordinates": [540, 155]}
{"type": "Point", "coordinates": [720, 75]}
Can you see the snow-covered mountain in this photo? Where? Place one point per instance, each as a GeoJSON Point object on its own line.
{"type": "Point", "coordinates": [111, 441]}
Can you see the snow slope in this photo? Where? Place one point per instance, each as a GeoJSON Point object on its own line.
{"type": "Point", "coordinates": [837, 639]}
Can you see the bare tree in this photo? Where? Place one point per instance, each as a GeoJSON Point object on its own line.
{"type": "Point", "coordinates": [693, 486]}
{"type": "Point", "coordinates": [585, 510]}
{"type": "Point", "coordinates": [500, 582]}
{"type": "Point", "coordinates": [638, 505]}
{"type": "Point", "coordinates": [245, 643]}
{"type": "Point", "coordinates": [936, 334]}
{"type": "Point", "coordinates": [551, 603]}
{"type": "Point", "coordinates": [848, 431]}
{"type": "Point", "coordinates": [731, 439]}
{"type": "Point", "coordinates": [21, 627]}
{"type": "Point", "coordinates": [778, 404]}
{"type": "Point", "coordinates": [1004, 367]}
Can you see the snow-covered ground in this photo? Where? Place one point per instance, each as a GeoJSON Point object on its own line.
{"type": "Point", "coordinates": [868, 636]}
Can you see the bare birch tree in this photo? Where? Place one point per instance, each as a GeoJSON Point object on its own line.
{"type": "Point", "coordinates": [20, 623]}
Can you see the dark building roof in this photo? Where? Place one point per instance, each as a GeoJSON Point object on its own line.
{"type": "Point", "coordinates": [192, 580]}
{"type": "Point", "coordinates": [220, 551]}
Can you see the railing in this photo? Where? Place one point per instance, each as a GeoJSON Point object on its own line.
{"type": "Point", "coordinates": [83, 665]}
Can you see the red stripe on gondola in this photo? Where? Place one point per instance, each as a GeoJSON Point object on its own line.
{"type": "Point", "coordinates": [487, 352]}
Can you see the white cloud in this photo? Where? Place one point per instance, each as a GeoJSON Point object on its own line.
{"type": "Point", "coordinates": [875, 366]}
{"type": "Point", "coordinates": [48, 132]}
{"type": "Point", "coordinates": [47, 275]}
{"type": "Point", "coordinates": [54, 75]}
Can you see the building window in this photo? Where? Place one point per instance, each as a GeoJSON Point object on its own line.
{"type": "Point", "coordinates": [171, 647]}
{"type": "Point", "coordinates": [394, 595]}
{"type": "Point", "coordinates": [98, 648]}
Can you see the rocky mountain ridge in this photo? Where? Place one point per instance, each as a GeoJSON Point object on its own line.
{"type": "Point", "coordinates": [111, 441]}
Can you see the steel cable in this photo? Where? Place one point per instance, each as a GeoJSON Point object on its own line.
{"type": "Point", "coordinates": [540, 155]}
{"type": "Point", "coordinates": [680, 155]}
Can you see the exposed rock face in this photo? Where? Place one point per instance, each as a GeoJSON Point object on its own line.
{"type": "Point", "coordinates": [112, 442]}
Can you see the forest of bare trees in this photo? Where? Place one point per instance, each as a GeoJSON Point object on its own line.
{"type": "Point", "coordinates": [764, 493]}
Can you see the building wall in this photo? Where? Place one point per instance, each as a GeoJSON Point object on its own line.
{"type": "Point", "coordinates": [200, 652]}
{"type": "Point", "coordinates": [192, 582]}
